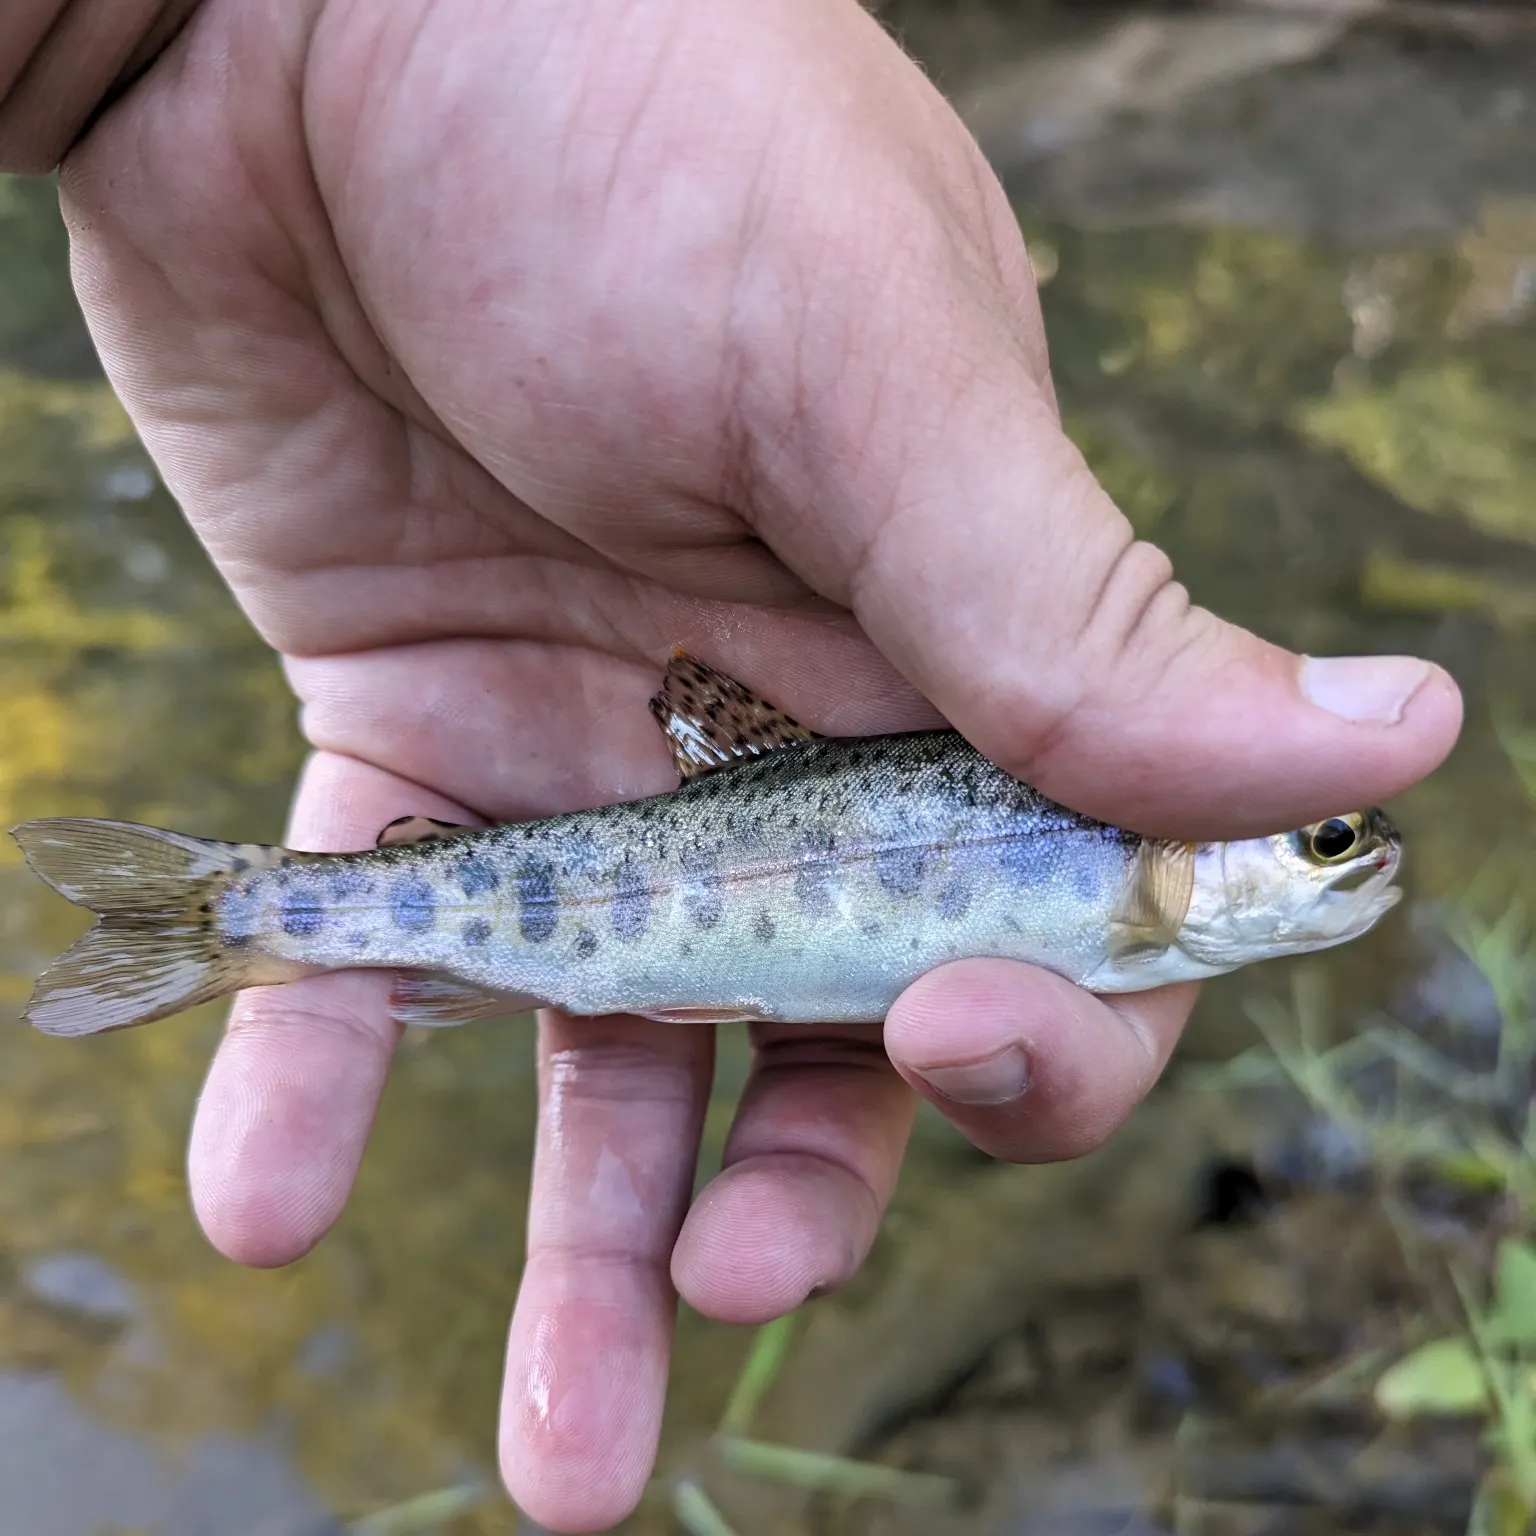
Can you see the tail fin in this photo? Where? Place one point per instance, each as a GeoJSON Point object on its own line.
{"type": "Point", "coordinates": [155, 950]}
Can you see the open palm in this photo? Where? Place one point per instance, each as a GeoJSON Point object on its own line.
{"type": "Point", "coordinates": [494, 351]}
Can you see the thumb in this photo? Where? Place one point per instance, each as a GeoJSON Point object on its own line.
{"type": "Point", "coordinates": [1067, 651]}
{"type": "Point", "coordinates": [982, 557]}
{"type": "Point", "coordinates": [950, 511]}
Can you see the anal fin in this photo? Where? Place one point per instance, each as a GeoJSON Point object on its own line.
{"type": "Point", "coordinates": [701, 1015]}
{"type": "Point", "coordinates": [436, 1000]}
{"type": "Point", "coordinates": [711, 721]}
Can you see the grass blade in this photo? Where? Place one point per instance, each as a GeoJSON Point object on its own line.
{"type": "Point", "coordinates": [696, 1512]}
{"type": "Point", "coordinates": [764, 1359]}
{"type": "Point", "coordinates": [820, 1473]}
{"type": "Point", "coordinates": [426, 1512]}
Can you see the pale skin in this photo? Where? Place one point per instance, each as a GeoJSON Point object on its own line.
{"type": "Point", "coordinates": [493, 350]}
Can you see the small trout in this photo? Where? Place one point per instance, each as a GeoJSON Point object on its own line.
{"type": "Point", "coordinates": [790, 877]}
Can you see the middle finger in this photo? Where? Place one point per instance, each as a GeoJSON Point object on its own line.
{"type": "Point", "coordinates": [620, 1114]}
{"type": "Point", "coordinates": [809, 1167]}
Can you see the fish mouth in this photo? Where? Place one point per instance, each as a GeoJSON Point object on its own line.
{"type": "Point", "coordinates": [1368, 902]}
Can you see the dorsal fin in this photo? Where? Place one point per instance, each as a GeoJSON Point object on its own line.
{"type": "Point", "coordinates": [416, 829]}
{"type": "Point", "coordinates": [1155, 902]}
{"type": "Point", "coordinates": [711, 721]}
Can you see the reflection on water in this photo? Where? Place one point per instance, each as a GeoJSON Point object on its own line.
{"type": "Point", "coordinates": [1331, 428]}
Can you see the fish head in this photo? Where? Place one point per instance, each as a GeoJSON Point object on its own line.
{"type": "Point", "coordinates": [1292, 893]}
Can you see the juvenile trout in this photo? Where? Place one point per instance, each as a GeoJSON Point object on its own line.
{"type": "Point", "coordinates": [790, 877]}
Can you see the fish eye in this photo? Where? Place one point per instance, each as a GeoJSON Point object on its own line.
{"type": "Point", "coordinates": [1332, 841]}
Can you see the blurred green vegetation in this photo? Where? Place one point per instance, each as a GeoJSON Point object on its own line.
{"type": "Point", "coordinates": [39, 324]}
{"type": "Point", "coordinates": [1441, 439]}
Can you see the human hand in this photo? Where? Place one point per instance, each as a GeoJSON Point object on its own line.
{"type": "Point", "coordinates": [495, 350]}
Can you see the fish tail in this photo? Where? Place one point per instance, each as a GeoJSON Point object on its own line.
{"type": "Point", "coordinates": [156, 947]}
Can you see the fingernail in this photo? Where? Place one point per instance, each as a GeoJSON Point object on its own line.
{"type": "Point", "coordinates": [1374, 688]}
{"type": "Point", "coordinates": [996, 1079]}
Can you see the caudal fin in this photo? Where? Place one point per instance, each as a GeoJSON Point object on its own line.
{"type": "Point", "coordinates": [155, 949]}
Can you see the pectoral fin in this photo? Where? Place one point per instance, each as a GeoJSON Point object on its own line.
{"type": "Point", "coordinates": [1152, 908]}
{"type": "Point", "coordinates": [711, 721]}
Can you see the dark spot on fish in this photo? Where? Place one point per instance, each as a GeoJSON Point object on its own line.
{"type": "Point", "coordinates": [586, 944]}
{"type": "Point", "coordinates": [685, 949]}
{"type": "Point", "coordinates": [955, 898]}
{"type": "Point", "coordinates": [703, 906]}
{"type": "Point", "coordinates": [476, 932]}
{"type": "Point", "coordinates": [763, 929]}
{"type": "Point", "coordinates": [357, 939]}
{"type": "Point", "coordinates": [234, 940]}
{"type": "Point", "coordinates": [812, 891]}
{"type": "Point", "coordinates": [631, 911]}
{"type": "Point", "coordinates": [1018, 859]}
{"type": "Point", "coordinates": [915, 944]}
{"type": "Point", "coordinates": [346, 883]}
{"type": "Point", "coordinates": [286, 862]}
{"type": "Point", "coordinates": [240, 865]}
{"type": "Point", "coordinates": [412, 905]}
{"type": "Point", "coordinates": [477, 877]}
{"type": "Point", "coordinates": [900, 870]}
{"type": "Point", "coordinates": [871, 930]}
{"type": "Point", "coordinates": [538, 903]}
{"type": "Point", "coordinates": [301, 914]}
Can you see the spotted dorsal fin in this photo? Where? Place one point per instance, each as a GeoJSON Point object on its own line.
{"type": "Point", "coordinates": [416, 829]}
{"type": "Point", "coordinates": [711, 721]}
{"type": "Point", "coordinates": [1152, 908]}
